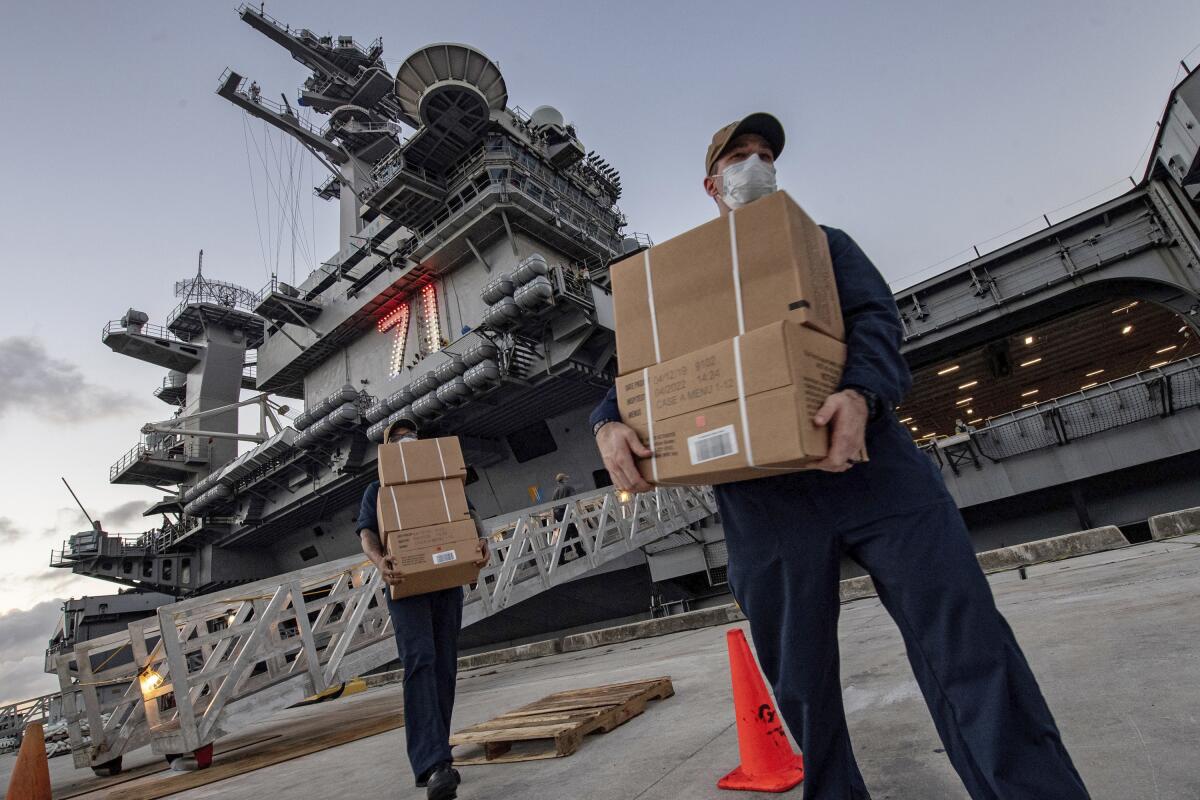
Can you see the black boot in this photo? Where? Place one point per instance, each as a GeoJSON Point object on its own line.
{"type": "Point", "coordinates": [443, 783]}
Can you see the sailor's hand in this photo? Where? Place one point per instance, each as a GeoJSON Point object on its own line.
{"type": "Point", "coordinates": [484, 554]}
{"type": "Point", "coordinates": [618, 445]}
{"type": "Point", "coordinates": [389, 567]}
{"type": "Point", "coordinates": [846, 415]}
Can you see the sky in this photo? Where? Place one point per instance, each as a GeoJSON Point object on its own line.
{"type": "Point", "coordinates": [921, 128]}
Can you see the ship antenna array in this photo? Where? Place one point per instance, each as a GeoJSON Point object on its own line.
{"type": "Point", "coordinates": [93, 523]}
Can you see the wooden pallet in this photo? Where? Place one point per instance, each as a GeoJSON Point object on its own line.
{"type": "Point", "coordinates": [554, 726]}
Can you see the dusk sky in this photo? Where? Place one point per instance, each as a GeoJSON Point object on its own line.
{"type": "Point", "coordinates": [920, 128]}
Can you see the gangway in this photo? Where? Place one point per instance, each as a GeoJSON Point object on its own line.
{"type": "Point", "coordinates": [205, 666]}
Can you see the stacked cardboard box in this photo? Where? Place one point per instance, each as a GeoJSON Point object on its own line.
{"type": "Point", "coordinates": [728, 341]}
{"type": "Point", "coordinates": [423, 516]}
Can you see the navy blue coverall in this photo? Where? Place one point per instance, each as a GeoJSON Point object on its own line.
{"type": "Point", "coordinates": [426, 627]}
{"type": "Point", "coordinates": [893, 515]}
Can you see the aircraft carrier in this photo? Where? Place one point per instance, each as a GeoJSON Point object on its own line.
{"type": "Point", "coordinates": [1057, 382]}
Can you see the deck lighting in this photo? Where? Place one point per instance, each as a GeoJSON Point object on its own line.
{"type": "Point", "coordinates": [1030, 392]}
{"type": "Point", "coordinates": [970, 412]}
{"type": "Point", "coordinates": [1128, 329]}
{"type": "Point", "coordinates": [1166, 349]}
{"type": "Point", "coordinates": [914, 428]}
{"type": "Point", "coordinates": [1093, 373]}
{"type": "Point", "coordinates": [149, 680]}
{"type": "Point", "coordinates": [1125, 307]}
{"type": "Point", "coordinates": [1030, 362]}
{"type": "Point", "coordinates": [906, 419]}
{"type": "Point", "coordinates": [948, 370]}
{"type": "Point", "coordinates": [968, 385]}
{"type": "Point", "coordinates": [1028, 340]}
{"type": "Point", "coordinates": [974, 421]}
{"type": "Point", "coordinates": [1087, 386]}
{"type": "Point", "coordinates": [1159, 364]}
{"type": "Point", "coordinates": [964, 401]}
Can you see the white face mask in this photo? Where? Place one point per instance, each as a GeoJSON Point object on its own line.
{"type": "Point", "coordinates": [406, 437]}
{"type": "Point", "coordinates": [747, 181]}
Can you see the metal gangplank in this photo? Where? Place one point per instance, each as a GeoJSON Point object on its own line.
{"type": "Point", "coordinates": [207, 665]}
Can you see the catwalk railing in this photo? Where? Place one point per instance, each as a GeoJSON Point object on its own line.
{"type": "Point", "coordinates": [1159, 392]}
{"type": "Point", "coordinates": [15, 716]}
{"type": "Point", "coordinates": [197, 663]}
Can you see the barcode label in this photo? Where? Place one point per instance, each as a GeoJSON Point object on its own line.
{"type": "Point", "coordinates": [712, 444]}
{"type": "Point", "coordinates": [442, 558]}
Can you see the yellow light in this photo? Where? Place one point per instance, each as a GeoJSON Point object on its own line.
{"type": "Point", "coordinates": [964, 401]}
{"type": "Point", "coordinates": [948, 370]}
{"type": "Point", "coordinates": [929, 436]}
{"type": "Point", "coordinates": [906, 419]}
{"type": "Point", "coordinates": [1087, 386]}
{"type": "Point", "coordinates": [1030, 392]}
{"type": "Point", "coordinates": [1093, 373]}
{"type": "Point", "coordinates": [1128, 329]}
{"type": "Point", "coordinates": [914, 428]}
{"type": "Point", "coordinates": [1124, 308]}
{"type": "Point", "coordinates": [149, 680]}
{"type": "Point", "coordinates": [968, 385]}
{"type": "Point", "coordinates": [1028, 340]}
{"type": "Point", "coordinates": [624, 496]}
{"type": "Point", "coordinates": [970, 412]}
{"type": "Point", "coordinates": [1166, 349]}
{"type": "Point", "coordinates": [229, 619]}
{"type": "Point", "coordinates": [1159, 364]}
{"type": "Point", "coordinates": [1030, 362]}
{"type": "Point", "coordinates": [1027, 405]}
{"type": "Point", "coordinates": [975, 421]}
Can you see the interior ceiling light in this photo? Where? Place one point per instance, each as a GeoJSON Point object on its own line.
{"type": "Point", "coordinates": [1030, 362]}
{"type": "Point", "coordinates": [1027, 405]}
{"type": "Point", "coordinates": [906, 419]}
{"type": "Point", "coordinates": [914, 427]}
{"type": "Point", "coordinates": [974, 421]}
{"type": "Point", "coordinates": [1124, 307]}
{"type": "Point", "coordinates": [1128, 329]}
{"type": "Point", "coordinates": [1093, 373]}
{"type": "Point", "coordinates": [1028, 340]}
{"type": "Point", "coordinates": [1166, 349]}
{"type": "Point", "coordinates": [970, 412]}
{"type": "Point", "coordinates": [948, 370]}
{"type": "Point", "coordinates": [1088, 386]}
{"type": "Point", "coordinates": [1159, 364]}
{"type": "Point", "coordinates": [968, 385]}
{"type": "Point", "coordinates": [929, 435]}
{"type": "Point", "coordinates": [964, 401]}
{"type": "Point", "coordinates": [1030, 392]}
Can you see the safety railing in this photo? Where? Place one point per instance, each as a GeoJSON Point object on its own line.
{"type": "Point", "coordinates": [1144, 395]}
{"type": "Point", "coordinates": [288, 637]}
{"type": "Point", "coordinates": [128, 460]}
{"type": "Point", "coordinates": [15, 716]}
{"type": "Point", "coordinates": [153, 331]}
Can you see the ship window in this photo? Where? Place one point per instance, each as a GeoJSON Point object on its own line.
{"type": "Point", "coordinates": [532, 442]}
{"type": "Point", "coordinates": [308, 553]}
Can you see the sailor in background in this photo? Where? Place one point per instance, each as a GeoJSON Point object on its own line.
{"type": "Point", "coordinates": [426, 627]}
{"type": "Point", "coordinates": [892, 514]}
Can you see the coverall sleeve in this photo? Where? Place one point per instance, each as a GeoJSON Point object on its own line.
{"type": "Point", "coordinates": [366, 509]}
{"type": "Point", "coordinates": [873, 330]}
{"type": "Point", "coordinates": [606, 411]}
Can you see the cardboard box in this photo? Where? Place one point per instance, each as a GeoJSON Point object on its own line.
{"type": "Point", "coordinates": [690, 291]}
{"type": "Point", "coordinates": [421, 460]}
{"type": "Point", "coordinates": [697, 421]}
{"type": "Point", "coordinates": [402, 507]}
{"type": "Point", "coordinates": [434, 557]}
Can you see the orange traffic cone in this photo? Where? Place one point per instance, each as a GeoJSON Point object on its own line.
{"type": "Point", "coordinates": [768, 762]}
{"type": "Point", "coordinates": [31, 776]}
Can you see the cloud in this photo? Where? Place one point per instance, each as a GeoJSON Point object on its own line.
{"type": "Point", "coordinates": [24, 635]}
{"type": "Point", "coordinates": [126, 515]}
{"type": "Point", "coordinates": [9, 532]}
{"type": "Point", "coordinates": [34, 380]}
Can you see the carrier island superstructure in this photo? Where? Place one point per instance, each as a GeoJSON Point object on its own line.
{"type": "Point", "coordinates": [470, 289]}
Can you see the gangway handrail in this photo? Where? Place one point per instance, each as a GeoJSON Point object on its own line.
{"type": "Point", "coordinates": [285, 638]}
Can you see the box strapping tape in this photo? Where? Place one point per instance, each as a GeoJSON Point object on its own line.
{"type": "Point", "coordinates": [396, 505]}
{"type": "Point", "coordinates": [737, 289]}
